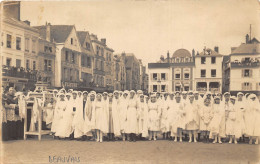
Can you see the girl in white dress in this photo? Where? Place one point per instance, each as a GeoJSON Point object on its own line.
{"type": "Point", "coordinates": [163, 120]}
{"type": "Point", "coordinates": [123, 111]}
{"type": "Point", "coordinates": [240, 114]}
{"type": "Point", "coordinates": [231, 121]}
{"type": "Point", "coordinates": [116, 114]}
{"type": "Point", "coordinates": [192, 118]}
{"type": "Point", "coordinates": [252, 117]}
{"type": "Point", "coordinates": [206, 114]}
{"type": "Point", "coordinates": [100, 118]}
{"type": "Point", "coordinates": [89, 126]}
{"type": "Point", "coordinates": [58, 114]}
{"type": "Point", "coordinates": [143, 117]}
{"type": "Point", "coordinates": [131, 116]}
{"type": "Point", "coordinates": [217, 124]}
{"type": "Point", "coordinates": [153, 115]}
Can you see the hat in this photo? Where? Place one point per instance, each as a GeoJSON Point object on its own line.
{"type": "Point", "coordinates": [207, 93]}
{"type": "Point", "coordinates": [126, 92]}
{"type": "Point", "coordinates": [184, 92]}
{"type": "Point", "coordinates": [116, 91]}
{"type": "Point", "coordinates": [226, 93]}
{"type": "Point", "coordinates": [85, 92]}
{"type": "Point", "coordinates": [216, 97]}
{"type": "Point", "coordinates": [153, 95]}
{"type": "Point", "coordinates": [233, 97]}
{"type": "Point", "coordinates": [190, 92]}
{"type": "Point", "coordinates": [132, 91]}
{"type": "Point", "coordinates": [251, 96]}
{"type": "Point", "coordinates": [68, 94]}
{"type": "Point", "coordinates": [240, 93]}
{"type": "Point", "coordinates": [139, 91]}
{"type": "Point", "coordinates": [195, 92]}
{"type": "Point", "coordinates": [74, 92]}
{"type": "Point", "coordinates": [99, 94]}
{"type": "Point", "coordinates": [105, 93]}
{"type": "Point", "coordinates": [191, 96]}
{"type": "Point", "coordinates": [60, 94]}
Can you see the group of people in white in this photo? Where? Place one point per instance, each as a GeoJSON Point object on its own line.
{"type": "Point", "coordinates": [130, 115]}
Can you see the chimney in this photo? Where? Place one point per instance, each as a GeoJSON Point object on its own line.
{"type": "Point", "coordinates": [103, 40]}
{"type": "Point", "coordinates": [12, 9]}
{"type": "Point", "coordinates": [27, 22]}
{"type": "Point", "coordinates": [216, 49]}
{"type": "Point", "coordinates": [168, 57]}
{"type": "Point", "coordinates": [48, 32]}
{"type": "Point", "coordinates": [247, 38]}
{"type": "Point", "coordinates": [193, 52]}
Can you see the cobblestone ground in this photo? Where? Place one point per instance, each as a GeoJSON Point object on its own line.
{"type": "Point", "coordinates": [160, 151]}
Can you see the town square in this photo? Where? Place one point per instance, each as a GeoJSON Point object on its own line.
{"type": "Point", "coordinates": [130, 81]}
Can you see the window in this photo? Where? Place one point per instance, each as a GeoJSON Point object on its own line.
{"type": "Point", "coordinates": [186, 88]}
{"type": "Point", "coordinates": [27, 64]}
{"type": "Point", "coordinates": [203, 60]}
{"type": "Point", "coordinates": [45, 48]}
{"type": "Point", "coordinates": [154, 88]}
{"type": "Point", "coordinates": [213, 60]}
{"type": "Point", "coordinates": [70, 74]}
{"type": "Point", "coordinates": [163, 76]}
{"type": "Point", "coordinates": [246, 86]}
{"type": "Point", "coordinates": [246, 73]}
{"type": "Point", "coordinates": [27, 42]}
{"type": "Point", "coordinates": [18, 63]}
{"type": "Point", "coordinates": [177, 76]}
{"type": "Point", "coordinates": [203, 73]}
{"type": "Point", "coordinates": [46, 65]}
{"type": "Point", "coordinates": [71, 41]}
{"type": "Point", "coordinates": [82, 60]}
{"type": "Point", "coordinates": [88, 46]}
{"type": "Point", "coordinates": [154, 76]}
{"type": "Point", "coordinates": [8, 62]}
{"type": "Point", "coordinates": [97, 50]}
{"type": "Point", "coordinates": [247, 60]}
{"type": "Point", "coordinates": [33, 46]}
{"type": "Point", "coordinates": [67, 55]}
{"type": "Point", "coordinates": [73, 57]}
{"type": "Point", "coordinates": [9, 41]}
{"type": "Point", "coordinates": [49, 65]}
{"type": "Point", "coordinates": [163, 88]}
{"type": "Point", "coordinates": [34, 65]}
{"type": "Point", "coordinates": [89, 62]}
{"type": "Point", "coordinates": [213, 73]}
{"type": "Point", "coordinates": [177, 88]}
{"type": "Point", "coordinates": [50, 49]}
{"type": "Point", "coordinates": [102, 52]}
{"type": "Point", "coordinates": [186, 75]}
{"type": "Point", "coordinates": [18, 43]}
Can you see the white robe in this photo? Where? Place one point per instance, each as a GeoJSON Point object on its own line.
{"type": "Point", "coordinates": [252, 118]}
{"type": "Point", "coordinates": [59, 110]}
{"type": "Point", "coordinates": [217, 124]}
{"type": "Point", "coordinates": [115, 116]}
{"type": "Point", "coordinates": [123, 111]}
{"type": "Point", "coordinates": [143, 119]}
{"type": "Point", "coordinates": [132, 126]}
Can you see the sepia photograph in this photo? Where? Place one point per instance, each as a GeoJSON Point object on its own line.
{"type": "Point", "coordinates": [130, 81]}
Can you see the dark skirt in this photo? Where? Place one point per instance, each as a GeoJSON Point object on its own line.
{"type": "Point", "coordinates": [12, 130]}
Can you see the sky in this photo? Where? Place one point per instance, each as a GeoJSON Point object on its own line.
{"type": "Point", "coordinates": [151, 28]}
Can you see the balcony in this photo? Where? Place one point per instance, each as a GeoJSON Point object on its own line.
{"type": "Point", "coordinates": [19, 72]}
{"type": "Point", "coordinates": [214, 89]}
{"type": "Point", "coordinates": [245, 64]}
{"type": "Point", "coordinates": [202, 89]}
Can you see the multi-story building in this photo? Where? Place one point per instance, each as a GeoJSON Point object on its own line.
{"type": "Point", "coordinates": [143, 74]}
{"type": "Point", "coordinates": [119, 72]}
{"type": "Point", "coordinates": [99, 66]}
{"type": "Point", "coordinates": [132, 72]}
{"type": "Point", "coordinates": [68, 53]}
{"type": "Point", "coordinates": [109, 66]}
{"type": "Point", "coordinates": [86, 60]}
{"type": "Point", "coordinates": [46, 61]}
{"type": "Point", "coordinates": [243, 68]}
{"type": "Point", "coordinates": [173, 73]}
{"type": "Point", "coordinates": [19, 49]}
{"type": "Point", "coordinates": [208, 71]}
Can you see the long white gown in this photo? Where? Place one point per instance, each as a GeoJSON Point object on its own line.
{"type": "Point", "coordinates": [154, 116]}
{"type": "Point", "coordinates": [123, 111]}
{"type": "Point", "coordinates": [116, 116]}
{"type": "Point", "coordinates": [175, 115]}
{"type": "Point", "coordinates": [58, 116]}
{"type": "Point", "coordinates": [231, 120]}
{"type": "Point", "coordinates": [192, 116]}
{"type": "Point", "coordinates": [78, 121]}
{"type": "Point", "coordinates": [131, 116]}
{"type": "Point", "coordinates": [164, 116]}
{"type": "Point", "coordinates": [101, 122]}
{"type": "Point", "coordinates": [143, 119]}
{"type": "Point", "coordinates": [217, 124]}
{"type": "Point", "coordinates": [206, 114]}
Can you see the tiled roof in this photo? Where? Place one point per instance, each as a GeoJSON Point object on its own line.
{"type": "Point", "coordinates": [181, 53]}
{"type": "Point", "coordinates": [247, 49]}
{"type": "Point", "coordinates": [82, 36]}
{"type": "Point", "coordinates": [209, 52]}
{"type": "Point", "coordinates": [59, 33]}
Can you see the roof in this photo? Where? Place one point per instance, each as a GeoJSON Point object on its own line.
{"type": "Point", "coordinates": [59, 33]}
{"type": "Point", "coordinates": [130, 59]}
{"type": "Point", "coordinates": [209, 52]}
{"type": "Point", "coordinates": [19, 23]}
{"type": "Point", "coordinates": [253, 48]}
{"type": "Point", "coordinates": [181, 53]}
{"type": "Point", "coordinates": [82, 36]}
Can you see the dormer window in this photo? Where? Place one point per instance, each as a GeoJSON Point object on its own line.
{"type": "Point", "coordinates": [71, 41]}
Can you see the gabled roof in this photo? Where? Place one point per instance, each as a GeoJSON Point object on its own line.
{"type": "Point", "coordinates": [82, 36]}
{"type": "Point", "coordinates": [253, 48]}
{"type": "Point", "coordinates": [208, 52]}
{"type": "Point", "coordinates": [59, 33]}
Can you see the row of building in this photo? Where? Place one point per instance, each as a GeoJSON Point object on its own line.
{"type": "Point", "coordinates": [56, 56]}
{"type": "Point", "coordinates": [208, 70]}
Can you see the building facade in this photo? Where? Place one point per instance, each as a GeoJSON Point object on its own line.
{"type": "Point", "coordinates": [242, 68]}
{"type": "Point", "coordinates": [19, 49]}
{"type": "Point", "coordinates": [109, 67]}
{"type": "Point", "coordinates": [119, 72]}
{"type": "Point", "coordinates": [132, 67]}
{"type": "Point", "coordinates": [86, 60]}
{"type": "Point", "coordinates": [208, 71]}
{"type": "Point", "coordinates": [172, 73]}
